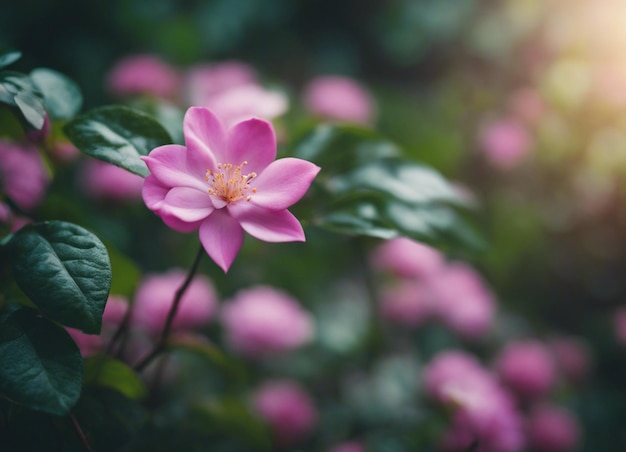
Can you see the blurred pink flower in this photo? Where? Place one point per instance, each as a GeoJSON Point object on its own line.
{"type": "Point", "coordinates": [143, 74]}
{"type": "Point", "coordinates": [102, 180]}
{"type": "Point", "coordinates": [14, 221]}
{"type": "Point", "coordinates": [551, 428]}
{"type": "Point", "coordinates": [482, 410]}
{"type": "Point", "coordinates": [340, 98]}
{"type": "Point", "coordinates": [405, 257]}
{"type": "Point", "coordinates": [226, 181]}
{"type": "Point", "coordinates": [619, 325]}
{"type": "Point", "coordinates": [155, 295]}
{"type": "Point", "coordinates": [407, 302]}
{"type": "Point", "coordinates": [287, 408]}
{"type": "Point", "coordinates": [92, 344]}
{"type": "Point", "coordinates": [350, 446]}
{"type": "Point", "coordinates": [36, 136]}
{"type": "Point", "coordinates": [23, 177]}
{"type": "Point", "coordinates": [264, 320]}
{"type": "Point", "coordinates": [64, 151]}
{"type": "Point", "coordinates": [231, 91]}
{"type": "Point", "coordinates": [462, 300]}
{"type": "Point", "coordinates": [527, 368]}
{"type": "Point", "coordinates": [572, 357]}
{"type": "Point", "coordinates": [527, 104]}
{"type": "Point", "coordinates": [505, 142]}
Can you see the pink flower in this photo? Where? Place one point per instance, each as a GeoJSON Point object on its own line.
{"type": "Point", "coordinates": [505, 142]}
{"type": "Point", "coordinates": [14, 221]}
{"type": "Point", "coordinates": [265, 320]}
{"type": "Point", "coordinates": [552, 429]}
{"type": "Point", "coordinates": [92, 344]}
{"type": "Point", "coordinates": [231, 91]}
{"type": "Point", "coordinates": [102, 180]}
{"type": "Point", "coordinates": [143, 74]}
{"type": "Point", "coordinates": [340, 98]}
{"type": "Point", "coordinates": [405, 257]}
{"type": "Point", "coordinates": [462, 300]}
{"type": "Point", "coordinates": [527, 368]}
{"type": "Point", "coordinates": [155, 295]}
{"type": "Point", "coordinates": [287, 408]}
{"type": "Point", "coordinates": [23, 177]}
{"type": "Point", "coordinates": [572, 357]}
{"type": "Point", "coordinates": [407, 302]}
{"type": "Point", "coordinates": [482, 410]}
{"type": "Point", "coordinates": [224, 182]}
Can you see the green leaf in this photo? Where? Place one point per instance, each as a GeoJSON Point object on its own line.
{"type": "Point", "coordinates": [17, 89]}
{"type": "Point", "coordinates": [62, 97]}
{"type": "Point", "coordinates": [118, 135]}
{"type": "Point", "coordinates": [41, 366]}
{"type": "Point", "coordinates": [65, 271]}
{"type": "Point", "coordinates": [9, 58]}
{"type": "Point", "coordinates": [104, 371]}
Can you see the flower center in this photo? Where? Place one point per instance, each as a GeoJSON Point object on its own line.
{"type": "Point", "coordinates": [229, 183]}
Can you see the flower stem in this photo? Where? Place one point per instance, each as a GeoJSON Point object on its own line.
{"type": "Point", "coordinates": [81, 434]}
{"type": "Point", "coordinates": [160, 345]}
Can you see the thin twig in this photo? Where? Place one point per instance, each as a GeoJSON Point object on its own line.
{"type": "Point", "coordinates": [160, 345]}
{"type": "Point", "coordinates": [81, 434]}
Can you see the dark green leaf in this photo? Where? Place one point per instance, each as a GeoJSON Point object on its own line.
{"type": "Point", "coordinates": [118, 135]}
{"type": "Point", "coordinates": [42, 367]}
{"type": "Point", "coordinates": [9, 58]}
{"type": "Point", "coordinates": [65, 271]}
{"type": "Point", "coordinates": [18, 90]}
{"type": "Point", "coordinates": [102, 370]}
{"type": "Point", "coordinates": [62, 97]}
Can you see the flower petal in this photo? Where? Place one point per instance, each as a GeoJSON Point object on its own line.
{"type": "Point", "coordinates": [153, 192]}
{"type": "Point", "coordinates": [187, 204]}
{"type": "Point", "coordinates": [204, 137]}
{"type": "Point", "coordinates": [268, 225]}
{"type": "Point", "coordinates": [176, 223]}
{"type": "Point", "coordinates": [253, 141]}
{"type": "Point", "coordinates": [221, 237]}
{"type": "Point", "coordinates": [168, 164]}
{"type": "Point", "coordinates": [283, 183]}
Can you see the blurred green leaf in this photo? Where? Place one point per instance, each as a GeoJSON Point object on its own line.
{"type": "Point", "coordinates": [9, 58]}
{"type": "Point", "coordinates": [41, 365]}
{"type": "Point", "coordinates": [109, 419]}
{"type": "Point", "coordinates": [104, 371]}
{"type": "Point", "coordinates": [17, 89]}
{"type": "Point", "coordinates": [118, 135]}
{"type": "Point", "coordinates": [65, 270]}
{"type": "Point", "coordinates": [62, 97]}
{"type": "Point", "coordinates": [125, 272]}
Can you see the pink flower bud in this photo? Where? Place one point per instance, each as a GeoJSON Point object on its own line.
{"type": "Point", "coordinates": [102, 180]}
{"type": "Point", "coordinates": [552, 429]}
{"type": "Point", "coordinates": [155, 296]}
{"type": "Point", "coordinates": [527, 368]}
{"type": "Point", "coordinates": [287, 408]}
{"type": "Point", "coordinates": [264, 320]}
{"type": "Point", "coordinates": [143, 74]}
{"type": "Point", "coordinates": [405, 257]}
{"type": "Point", "coordinates": [340, 98]}
{"type": "Point", "coordinates": [407, 302]}
{"type": "Point", "coordinates": [23, 177]}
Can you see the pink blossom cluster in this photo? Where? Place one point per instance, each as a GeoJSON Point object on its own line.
{"type": "Point", "coordinates": [426, 287]}
{"type": "Point", "coordinates": [231, 88]}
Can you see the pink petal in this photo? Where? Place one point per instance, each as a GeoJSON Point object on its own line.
{"type": "Point", "coordinates": [176, 223]}
{"type": "Point", "coordinates": [253, 141]}
{"type": "Point", "coordinates": [187, 204]}
{"type": "Point", "coordinates": [268, 225]}
{"type": "Point", "coordinates": [221, 237]}
{"type": "Point", "coordinates": [204, 137]}
{"type": "Point", "coordinates": [283, 183]}
{"type": "Point", "coordinates": [168, 164]}
{"type": "Point", "coordinates": [153, 192]}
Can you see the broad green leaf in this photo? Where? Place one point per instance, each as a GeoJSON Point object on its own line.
{"type": "Point", "coordinates": [109, 419]}
{"type": "Point", "coordinates": [41, 365]}
{"type": "Point", "coordinates": [118, 135]}
{"type": "Point", "coordinates": [17, 89]}
{"type": "Point", "coordinates": [65, 271]}
{"type": "Point", "coordinates": [9, 58]}
{"type": "Point", "coordinates": [62, 97]}
{"type": "Point", "coordinates": [104, 371]}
